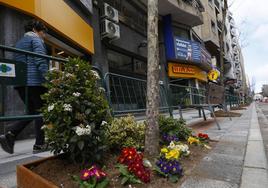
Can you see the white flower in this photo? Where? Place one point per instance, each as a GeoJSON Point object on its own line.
{"type": "Point", "coordinates": [171, 145]}
{"type": "Point", "coordinates": [44, 127]}
{"type": "Point", "coordinates": [76, 94]}
{"type": "Point", "coordinates": [50, 107]}
{"type": "Point", "coordinates": [81, 130]}
{"type": "Point", "coordinates": [95, 73]}
{"type": "Point", "coordinates": [54, 69]}
{"type": "Point", "coordinates": [67, 107]}
{"type": "Point", "coordinates": [103, 123]}
{"type": "Point", "coordinates": [182, 147]}
{"type": "Point", "coordinates": [101, 89]}
{"type": "Point", "coordinates": [68, 75]}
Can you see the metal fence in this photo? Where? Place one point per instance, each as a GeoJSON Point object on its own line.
{"type": "Point", "coordinates": [125, 94]}
{"type": "Point", "coordinates": [128, 94]}
{"type": "Point", "coordinates": [186, 95]}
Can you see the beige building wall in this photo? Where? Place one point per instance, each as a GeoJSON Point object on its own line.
{"type": "Point", "coordinates": [206, 31]}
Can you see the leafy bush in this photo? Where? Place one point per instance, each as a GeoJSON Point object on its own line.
{"type": "Point", "coordinates": [74, 111]}
{"type": "Point", "coordinates": [175, 128]}
{"type": "Point", "coordinates": [126, 132]}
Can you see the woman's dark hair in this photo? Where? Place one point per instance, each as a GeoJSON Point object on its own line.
{"type": "Point", "coordinates": [35, 24]}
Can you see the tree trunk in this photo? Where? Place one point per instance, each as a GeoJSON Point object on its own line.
{"type": "Point", "coordinates": [153, 94]}
{"type": "Point", "coordinates": [224, 13]}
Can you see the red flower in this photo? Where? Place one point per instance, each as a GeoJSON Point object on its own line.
{"type": "Point", "coordinates": [134, 161]}
{"type": "Point", "coordinates": [204, 136]}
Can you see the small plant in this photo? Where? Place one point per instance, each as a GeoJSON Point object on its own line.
{"type": "Point", "coordinates": [75, 112]}
{"type": "Point", "coordinates": [193, 140]}
{"type": "Point", "coordinates": [170, 169]}
{"type": "Point", "coordinates": [168, 164]}
{"type": "Point", "coordinates": [131, 167]}
{"type": "Point", "coordinates": [92, 178]}
{"type": "Point", "coordinates": [203, 137]}
{"type": "Point", "coordinates": [173, 129]}
{"type": "Point", "coordinates": [125, 132]}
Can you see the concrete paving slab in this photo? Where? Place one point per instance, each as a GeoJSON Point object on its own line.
{"type": "Point", "coordinates": [255, 134]}
{"type": "Point", "coordinates": [219, 171]}
{"type": "Point", "coordinates": [242, 139]}
{"type": "Point", "coordinates": [254, 178]}
{"type": "Point", "coordinates": [255, 155]}
{"type": "Point", "coordinates": [224, 159]}
{"type": "Point", "coordinates": [198, 182]}
{"type": "Point", "coordinates": [231, 148]}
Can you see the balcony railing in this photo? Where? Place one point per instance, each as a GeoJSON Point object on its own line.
{"type": "Point", "coordinates": [217, 5]}
{"type": "Point", "coordinates": [196, 4]}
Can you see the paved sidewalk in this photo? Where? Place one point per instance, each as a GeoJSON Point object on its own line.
{"type": "Point", "coordinates": [222, 167]}
{"type": "Point", "coordinates": [238, 160]}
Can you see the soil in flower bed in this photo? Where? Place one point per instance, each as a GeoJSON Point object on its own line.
{"type": "Point", "coordinates": [221, 113]}
{"type": "Point", "coordinates": [238, 108]}
{"type": "Point", "coordinates": [59, 171]}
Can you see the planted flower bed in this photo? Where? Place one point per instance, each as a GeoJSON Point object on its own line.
{"type": "Point", "coordinates": [93, 150]}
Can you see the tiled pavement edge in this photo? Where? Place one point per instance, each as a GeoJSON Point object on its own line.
{"type": "Point", "coordinates": [255, 166]}
{"type": "Point", "coordinates": [223, 166]}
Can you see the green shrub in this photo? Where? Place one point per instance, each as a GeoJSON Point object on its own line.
{"type": "Point", "coordinates": [74, 111]}
{"type": "Point", "coordinates": [174, 127]}
{"type": "Point", "coordinates": [125, 132]}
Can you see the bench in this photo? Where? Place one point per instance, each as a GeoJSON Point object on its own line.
{"type": "Point", "coordinates": [214, 98]}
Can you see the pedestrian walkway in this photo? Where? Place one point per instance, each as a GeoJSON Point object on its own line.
{"type": "Point", "coordinates": [238, 160]}
{"type": "Point", "coordinates": [232, 160]}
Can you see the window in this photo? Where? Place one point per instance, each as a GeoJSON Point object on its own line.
{"type": "Point", "coordinates": [213, 26]}
{"type": "Point", "coordinates": [121, 63]}
{"type": "Point", "coordinates": [181, 32]}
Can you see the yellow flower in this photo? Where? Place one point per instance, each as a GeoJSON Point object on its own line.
{"type": "Point", "coordinates": [173, 154]}
{"type": "Point", "coordinates": [193, 140]}
{"type": "Point", "coordinates": [164, 150]}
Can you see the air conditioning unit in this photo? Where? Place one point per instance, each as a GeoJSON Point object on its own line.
{"type": "Point", "coordinates": [110, 30]}
{"type": "Point", "coordinates": [110, 13]}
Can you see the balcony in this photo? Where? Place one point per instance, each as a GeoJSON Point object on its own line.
{"type": "Point", "coordinates": [188, 12]}
{"type": "Point", "coordinates": [233, 32]}
{"type": "Point", "coordinates": [234, 41]}
{"type": "Point", "coordinates": [217, 6]}
{"type": "Point", "coordinates": [232, 22]}
{"type": "Point", "coordinates": [219, 24]}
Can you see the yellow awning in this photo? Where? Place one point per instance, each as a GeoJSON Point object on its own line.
{"type": "Point", "coordinates": [178, 70]}
{"type": "Point", "coordinates": [60, 17]}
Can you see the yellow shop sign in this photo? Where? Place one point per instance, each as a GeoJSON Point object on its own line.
{"type": "Point", "coordinates": [213, 75]}
{"type": "Point", "coordinates": [176, 70]}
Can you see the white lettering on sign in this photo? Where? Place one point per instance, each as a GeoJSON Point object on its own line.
{"type": "Point", "coordinates": [7, 70]}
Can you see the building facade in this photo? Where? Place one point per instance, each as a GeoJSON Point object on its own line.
{"type": "Point", "coordinates": [234, 71]}
{"type": "Point", "coordinates": [112, 35]}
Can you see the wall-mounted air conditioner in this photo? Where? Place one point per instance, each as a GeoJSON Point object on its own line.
{"type": "Point", "coordinates": [110, 30]}
{"type": "Point", "coordinates": [110, 13]}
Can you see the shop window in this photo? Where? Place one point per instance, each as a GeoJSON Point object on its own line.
{"type": "Point", "coordinates": [130, 65]}
{"type": "Point", "coordinates": [60, 49]}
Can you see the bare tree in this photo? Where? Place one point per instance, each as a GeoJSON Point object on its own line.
{"type": "Point", "coordinates": [224, 13]}
{"type": "Point", "coordinates": [152, 103]}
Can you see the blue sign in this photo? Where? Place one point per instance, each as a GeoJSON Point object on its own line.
{"type": "Point", "coordinates": [187, 50]}
{"type": "Point", "coordinates": [181, 49]}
